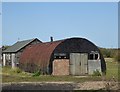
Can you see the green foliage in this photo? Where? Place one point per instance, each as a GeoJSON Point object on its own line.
{"type": "Point", "coordinates": [37, 73]}
{"type": "Point", "coordinates": [17, 70]}
{"type": "Point", "coordinates": [112, 68]}
{"type": "Point", "coordinates": [117, 56]}
{"type": "Point", "coordinates": [109, 53]}
{"type": "Point", "coordinates": [8, 69]}
{"type": "Point", "coordinates": [96, 73]}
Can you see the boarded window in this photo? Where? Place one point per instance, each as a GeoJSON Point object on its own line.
{"type": "Point", "coordinates": [96, 56]}
{"type": "Point", "coordinates": [91, 56]}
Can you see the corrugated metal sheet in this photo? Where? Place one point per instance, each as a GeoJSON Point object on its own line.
{"type": "Point", "coordinates": [39, 54]}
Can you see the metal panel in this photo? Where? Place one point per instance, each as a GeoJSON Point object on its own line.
{"type": "Point", "coordinates": [94, 65]}
{"type": "Point", "coordinates": [84, 63]}
{"type": "Point", "coordinates": [78, 63]}
{"type": "Point", "coordinates": [72, 64]}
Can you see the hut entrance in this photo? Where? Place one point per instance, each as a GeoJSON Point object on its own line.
{"type": "Point", "coordinates": [78, 63]}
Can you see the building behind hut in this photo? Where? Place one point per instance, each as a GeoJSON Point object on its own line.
{"type": "Point", "coordinates": [72, 56]}
{"type": "Point", "coordinates": [12, 54]}
{"type": "Point", "coordinates": [1, 56]}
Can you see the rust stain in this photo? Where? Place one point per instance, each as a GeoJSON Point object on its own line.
{"type": "Point", "coordinates": [39, 54]}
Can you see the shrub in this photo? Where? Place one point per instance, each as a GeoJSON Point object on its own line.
{"type": "Point", "coordinates": [96, 73]}
{"type": "Point", "coordinates": [17, 70]}
{"type": "Point", "coordinates": [117, 56]}
{"type": "Point", "coordinates": [37, 73]}
{"type": "Point", "coordinates": [108, 53]}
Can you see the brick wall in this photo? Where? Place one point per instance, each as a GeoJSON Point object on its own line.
{"type": "Point", "coordinates": [61, 67]}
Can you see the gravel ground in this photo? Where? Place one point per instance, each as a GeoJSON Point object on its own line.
{"type": "Point", "coordinates": [96, 85]}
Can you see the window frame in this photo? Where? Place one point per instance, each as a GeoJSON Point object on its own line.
{"type": "Point", "coordinates": [94, 57]}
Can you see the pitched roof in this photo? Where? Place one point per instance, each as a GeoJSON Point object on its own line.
{"type": "Point", "coordinates": [18, 45]}
{"type": "Point", "coordinates": [0, 50]}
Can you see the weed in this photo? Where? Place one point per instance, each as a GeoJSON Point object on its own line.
{"type": "Point", "coordinates": [37, 73]}
{"type": "Point", "coordinates": [96, 73]}
{"type": "Point", "coordinates": [17, 70]}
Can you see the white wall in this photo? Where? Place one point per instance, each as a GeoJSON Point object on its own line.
{"type": "Point", "coordinates": [94, 65]}
{"type": "Point", "coordinates": [13, 60]}
{"type": "Point", "coordinates": [4, 60]}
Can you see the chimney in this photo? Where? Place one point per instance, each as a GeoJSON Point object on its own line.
{"type": "Point", "coordinates": [51, 39]}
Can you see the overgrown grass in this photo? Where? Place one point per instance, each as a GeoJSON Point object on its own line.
{"type": "Point", "coordinates": [48, 78]}
{"type": "Point", "coordinates": [8, 71]}
{"type": "Point", "coordinates": [10, 75]}
{"type": "Point", "coordinates": [112, 68]}
{"type": "Point", "coordinates": [96, 73]}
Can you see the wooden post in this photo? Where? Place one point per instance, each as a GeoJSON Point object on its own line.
{"type": "Point", "coordinates": [13, 60]}
{"type": "Point", "coordinates": [4, 60]}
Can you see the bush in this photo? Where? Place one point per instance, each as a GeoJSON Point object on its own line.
{"type": "Point", "coordinates": [96, 73]}
{"type": "Point", "coordinates": [117, 56]}
{"type": "Point", "coordinates": [17, 70]}
{"type": "Point", "coordinates": [37, 73]}
{"type": "Point", "coordinates": [108, 53]}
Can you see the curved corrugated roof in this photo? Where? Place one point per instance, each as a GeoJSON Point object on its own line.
{"type": "Point", "coordinates": [40, 53]}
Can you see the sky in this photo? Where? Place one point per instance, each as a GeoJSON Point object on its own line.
{"type": "Point", "coordinates": [0, 24]}
{"type": "Point", "coordinates": [97, 22]}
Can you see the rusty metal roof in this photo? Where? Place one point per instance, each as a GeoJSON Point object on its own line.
{"type": "Point", "coordinates": [40, 53]}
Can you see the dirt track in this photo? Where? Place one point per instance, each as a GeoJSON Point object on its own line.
{"type": "Point", "coordinates": [97, 85]}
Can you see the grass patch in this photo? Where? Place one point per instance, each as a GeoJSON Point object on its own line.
{"type": "Point", "coordinates": [112, 69]}
{"type": "Point", "coordinates": [37, 73]}
{"type": "Point", "coordinates": [14, 72]}
{"type": "Point", "coordinates": [48, 78]}
{"type": "Point", "coordinates": [96, 73]}
{"type": "Point", "coordinates": [10, 75]}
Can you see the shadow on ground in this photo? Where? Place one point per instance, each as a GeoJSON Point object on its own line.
{"type": "Point", "coordinates": [41, 86]}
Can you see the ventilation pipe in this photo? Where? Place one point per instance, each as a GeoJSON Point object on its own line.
{"type": "Point", "coordinates": [51, 39]}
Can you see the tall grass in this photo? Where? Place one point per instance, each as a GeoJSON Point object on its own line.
{"type": "Point", "coordinates": [112, 69]}
{"type": "Point", "coordinates": [10, 75]}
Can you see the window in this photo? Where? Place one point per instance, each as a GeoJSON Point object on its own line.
{"type": "Point", "coordinates": [56, 57]}
{"type": "Point", "coordinates": [94, 55]}
{"type": "Point", "coordinates": [63, 57]}
{"type": "Point", "coordinates": [60, 56]}
{"type": "Point", "coordinates": [91, 56]}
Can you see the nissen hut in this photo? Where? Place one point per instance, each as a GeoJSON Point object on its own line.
{"type": "Point", "coordinates": [72, 56]}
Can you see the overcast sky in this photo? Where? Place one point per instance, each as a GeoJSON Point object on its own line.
{"type": "Point", "coordinates": [98, 22]}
